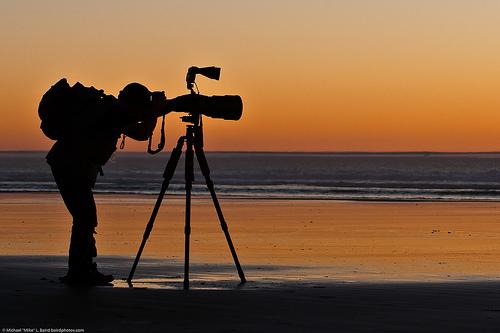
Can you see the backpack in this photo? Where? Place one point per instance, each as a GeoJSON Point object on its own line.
{"type": "Point", "coordinates": [62, 107]}
{"type": "Point", "coordinates": [61, 104]}
{"type": "Point", "coordinates": [54, 109]}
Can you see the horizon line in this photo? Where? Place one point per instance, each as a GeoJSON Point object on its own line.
{"type": "Point", "coordinates": [340, 152]}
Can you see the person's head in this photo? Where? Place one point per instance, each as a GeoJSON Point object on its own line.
{"type": "Point", "coordinates": [136, 98]}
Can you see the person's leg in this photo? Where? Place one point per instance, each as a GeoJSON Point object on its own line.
{"type": "Point", "coordinates": [75, 185]}
{"type": "Point", "coordinates": [80, 203]}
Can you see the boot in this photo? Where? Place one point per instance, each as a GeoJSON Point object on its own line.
{"type": "Point", "coordinates": [88, 276]}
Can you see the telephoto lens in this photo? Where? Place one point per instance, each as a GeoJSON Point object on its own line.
{"type": "Point", "coordinates": [228, 107]}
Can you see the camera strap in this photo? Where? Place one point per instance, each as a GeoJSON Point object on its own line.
{"type": "Point", "coordinates": [122, 144]}
{"type": "Point", "coordinates": [162, 139]}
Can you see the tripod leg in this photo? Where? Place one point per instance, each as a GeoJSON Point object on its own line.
{"type": "Point", "coordinates": [202, 161]}
{"type": "Point", "coordinates": [189, 176]}
{"type": "Point", "coordinates": [167, 175]}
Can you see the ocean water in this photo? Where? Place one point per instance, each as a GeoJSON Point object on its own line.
{"type": "Point", "coordinates": [379, 176]}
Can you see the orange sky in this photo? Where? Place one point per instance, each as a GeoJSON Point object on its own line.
{"type": "Point", "coordinates": [326, 75]}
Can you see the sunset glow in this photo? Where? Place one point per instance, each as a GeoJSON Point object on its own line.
{"type": "Point", "coordinates": [314, 75]}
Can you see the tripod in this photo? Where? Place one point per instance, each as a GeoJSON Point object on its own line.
{"type": "Point", "coordinates": [193, 138]}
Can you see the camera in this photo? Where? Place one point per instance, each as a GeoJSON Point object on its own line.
{"type": "Point", "coordinates": [228, 107]}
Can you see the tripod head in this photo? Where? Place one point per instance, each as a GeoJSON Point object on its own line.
{"type": "Point", "coordinates": [193, 119]}
{"type": "Point", "coordinates": [194, 125]}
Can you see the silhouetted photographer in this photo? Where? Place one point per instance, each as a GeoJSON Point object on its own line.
{"type": "Point", "coordinates": [87, 124]}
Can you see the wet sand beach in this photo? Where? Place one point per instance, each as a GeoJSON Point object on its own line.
{"type": "Point", "coordinates": [312, 266]}
{"type": "Point", "coordinates": [28, 301]}
{"type": "Point", "coordinates": [364, 240]}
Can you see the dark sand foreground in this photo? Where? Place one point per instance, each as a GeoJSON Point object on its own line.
{"type": "Point", "coordinates": [30, 299]}
{"type": "Point", "coordinates": [312, 266]}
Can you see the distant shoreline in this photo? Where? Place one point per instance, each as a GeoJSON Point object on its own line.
{"type": "Point", "coordinates": [253, 198]}
{"type": "Point", "coordinates": [348, 176]}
